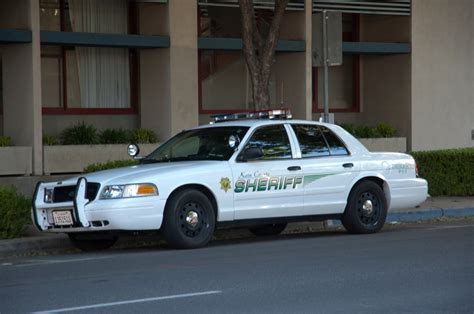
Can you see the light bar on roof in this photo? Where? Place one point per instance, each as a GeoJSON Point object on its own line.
{"type": "Point", "coordinates": [270, 114]}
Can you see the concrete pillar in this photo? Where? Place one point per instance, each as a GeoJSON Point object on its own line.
{"type": "Point", "coordinates": [169, 77]}
{"type": "Point", "coordinates": [442, 74]}
{"type": "Point", "coordinates": [21, 65]}
{"type": "Point", "coordinates": [308, 27]}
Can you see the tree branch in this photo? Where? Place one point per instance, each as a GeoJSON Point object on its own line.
{"type": "Point", "coordinates": [270, 44]}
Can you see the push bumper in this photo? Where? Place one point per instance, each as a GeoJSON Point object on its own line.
{"type": "Point", "coordinates": [142, 213]}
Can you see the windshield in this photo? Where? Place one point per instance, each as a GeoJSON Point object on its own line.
{"type": "Point", "coordinates": [217, 143]}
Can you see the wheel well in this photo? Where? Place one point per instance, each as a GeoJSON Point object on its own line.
{"type": "Point", "coordinates": [380, 182]}
{"type": "Point", "coordinates": [200, 188]}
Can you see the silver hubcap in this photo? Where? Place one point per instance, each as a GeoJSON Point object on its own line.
{"type": "Point", "coordinates": [192, 218]}
{"type": "Point", "coordinates": [368, 208]}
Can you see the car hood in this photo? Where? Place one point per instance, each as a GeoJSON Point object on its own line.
{"type": "Point", "coordinates": [150, 172]}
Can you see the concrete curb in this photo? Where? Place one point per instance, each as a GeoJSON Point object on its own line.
{"type": "Point", "coordinates": [61, 241]}
{"type": "Point", "coordinates": [428, 214]}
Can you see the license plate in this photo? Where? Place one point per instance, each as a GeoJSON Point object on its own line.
{"type": "Point", "coordinates": [62, 217]}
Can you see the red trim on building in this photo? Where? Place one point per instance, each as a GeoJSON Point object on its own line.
{"type": "Point", "coordinates": [89, 111]}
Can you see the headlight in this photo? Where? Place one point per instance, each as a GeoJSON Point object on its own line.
{"type": "Point", "coordinates": [128, 190]}
{"type": "Point", "coordinates": [48, 195]}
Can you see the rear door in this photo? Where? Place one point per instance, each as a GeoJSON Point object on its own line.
{"type": "Point", "coordinates": [328, 169]}
{"type": "Point", "coordinates": [271, 186]}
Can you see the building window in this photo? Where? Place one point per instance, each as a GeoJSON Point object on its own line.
{"type": "Point", "coordinates": [224, 82]}
{"type": "Point", "coordinates": [87, 78]}
{"type": "Point", "coordinates": [344, 81]}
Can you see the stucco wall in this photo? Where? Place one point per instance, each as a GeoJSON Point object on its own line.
{"type": "Point", "coordinates": [442, 74]}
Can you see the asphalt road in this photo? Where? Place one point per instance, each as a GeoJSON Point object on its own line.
{"type": "Point", "coordinates": [419, 268]}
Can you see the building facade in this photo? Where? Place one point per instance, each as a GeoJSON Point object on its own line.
{"type": "Point", "coordinates": [168, 65]}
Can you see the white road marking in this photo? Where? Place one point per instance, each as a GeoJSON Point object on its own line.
{"type": "Point", "coordinates": [450, 227]}
{"type": "Point", "coordinates": [94, 306]}
{"type": "Point", "coordinates": [56, 261]}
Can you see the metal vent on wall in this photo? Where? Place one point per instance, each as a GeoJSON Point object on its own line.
{"type": "Point", "coordinates": [386, 7]}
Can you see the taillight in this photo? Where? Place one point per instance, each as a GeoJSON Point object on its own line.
{"type": "Point", "coordinates": [416, 169]}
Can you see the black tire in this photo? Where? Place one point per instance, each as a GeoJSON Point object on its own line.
{"type": "Point", "coordinates": [88, 243]}
{"type": "Point", "coordinates": [268, 230]}
{"type": "Point", "coordinates": [366, 208]}
{"type": "Point", "coordinates": [189, 220]}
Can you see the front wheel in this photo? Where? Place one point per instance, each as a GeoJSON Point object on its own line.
{"type": "Point", "coordinates": [189, 220]}
{"type": "Point", "coordinates": [90, 243]}
{"type": "Point", "coordinates": [366, 208]}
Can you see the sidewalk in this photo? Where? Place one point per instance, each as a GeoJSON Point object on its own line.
{"type": "Point", "coordinates": [433, 208]}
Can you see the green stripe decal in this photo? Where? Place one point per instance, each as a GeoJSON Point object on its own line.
{"type": "Point", "coordinates": [314, 177]}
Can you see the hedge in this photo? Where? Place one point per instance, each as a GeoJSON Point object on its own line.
{"type": "Point", "coordinates": [15, 213]}
{"type": "Point", "coordinates": [449, 172]}
{"type": "Point", "coordinates": [110, 165]}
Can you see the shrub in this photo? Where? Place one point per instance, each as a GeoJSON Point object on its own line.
{"type": "Point", "coordinates": [366, 132]}
{"type": "Point", "coordinates": [381, 130]}
{"type": "Point", "coordinates": [115, 136]}
{"type": "Point", "coordinates": [5, 141]}
{"type": "Point", "coordinates": [143, 136]}
{"type": "Point", "coordinates": [50, 140]}
{"type": "Point", "coordinates": [110, 165]}
{"type": "Point", "coordinates": [448, 172]}
{"type": "Point", "coordinates": [14, 213]}
{"type": "Point", "coordinates": [349, 127]}
{"type": "Point", "coordinates": [79, 134]}
{"type": "Point", "coordinates": [385, 130]}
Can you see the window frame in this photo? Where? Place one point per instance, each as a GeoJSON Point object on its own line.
{"type": "Point", "coordinates": [347, 36]}
{"type": "Point", "coordinates": [134, 68]}
{"type": "Point", "coordinates": [320, 129]}
{"type": "Point", "coordinates": [238, 158]}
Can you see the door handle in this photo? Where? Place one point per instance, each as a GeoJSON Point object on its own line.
{"type": "Point", "coordinates": [348, 165]}
{"type": "Point", "coordinates": [294, 168]}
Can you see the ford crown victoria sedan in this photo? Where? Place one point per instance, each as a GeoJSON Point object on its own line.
{"type": "Point", "coordinates": [260, 173]}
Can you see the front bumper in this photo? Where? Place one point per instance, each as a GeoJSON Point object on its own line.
{"type": "Point", "coordinates": [140, 213]}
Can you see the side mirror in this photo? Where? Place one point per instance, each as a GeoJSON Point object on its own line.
{"type": "Point", "coordinates": [133, 150]}
{"type": "Point", "coordinates": [252, 153]}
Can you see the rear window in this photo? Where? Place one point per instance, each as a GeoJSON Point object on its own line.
{"type": "Point", "coordinates": [318, 141]}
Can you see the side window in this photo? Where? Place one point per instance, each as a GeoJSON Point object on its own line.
{"type": "Point", "coordinates": [312, 143]}
{"type": "Point", "coordinates": [336, 147]}
{"type": "Point", "coordinates": [273, 141]}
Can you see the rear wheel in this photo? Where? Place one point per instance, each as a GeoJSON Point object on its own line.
{"type": "Point", "coordinates": [90, 243]}
{"type": "Point", "coordinates": [366, 208]}
{"type": "Point", "coordinates": [267, 230]}
{"type": "Point", "coordinates": [189, 220]}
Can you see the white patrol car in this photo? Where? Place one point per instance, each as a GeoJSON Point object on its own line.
{"type": "Point", "coordinates": [257, 172]}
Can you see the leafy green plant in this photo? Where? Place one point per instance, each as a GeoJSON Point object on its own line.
{"type": "Point", "coordinates": [5, 141]}
{"type": "Point", "coordinates": [385, 130]}
{"type": "Point", "coordinates": [110, 165]}
{"type": "Point", "coordinates": [143, 136]}
{"type": "Point", "coordinates": [79, 134]}
{"type": "Point", "coordinates": [448, 172]}
{"type": "Point", "coordinates": [349, 127]}
{"type": "Point", "coordinates": [366, 132]}
{"type": "Point", "coordinates": [14, 213]}
{"type": "Point", "coordinates": [381, 130]}
{"type": "Point", "coordinates": [114, 136]}
{"type": "Point", "coordinates": [50, 140]}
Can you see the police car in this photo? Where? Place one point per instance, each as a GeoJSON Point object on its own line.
{"type": "Point", "coordinates": [260, 170]}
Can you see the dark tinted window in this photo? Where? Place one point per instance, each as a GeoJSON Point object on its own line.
{"type": "Point", "coordinates": [198, 144]}
{"type": "Point", "coordinates": [273, 141]}
{"type": "Point", "coordinates": [336, 147]}
{"type": "Point", "coordinates": [311, 141]}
